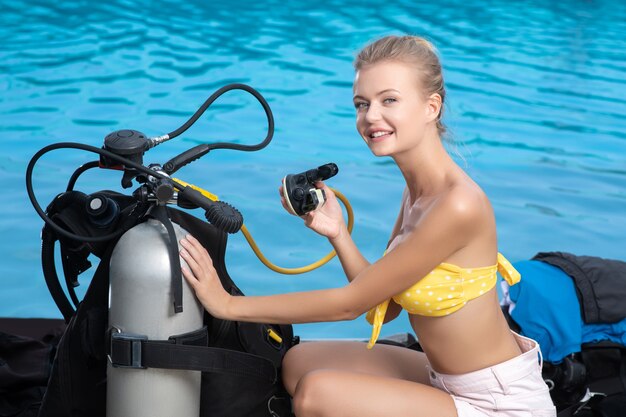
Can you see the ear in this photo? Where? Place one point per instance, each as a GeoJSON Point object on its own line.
{"type": "Point", "coordinates": [433, 107]}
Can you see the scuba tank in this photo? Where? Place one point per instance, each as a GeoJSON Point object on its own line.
{"type": "Point", "coordinates": [140, 304]}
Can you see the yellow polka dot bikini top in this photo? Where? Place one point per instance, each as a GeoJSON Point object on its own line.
{"type": "Point", "coordinates": [443, 291]}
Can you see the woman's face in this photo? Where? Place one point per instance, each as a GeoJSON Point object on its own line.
{"type": "Point", "coordinates": [391, 111]}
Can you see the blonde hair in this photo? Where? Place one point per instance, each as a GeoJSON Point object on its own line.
{"type": "Point", "coordinates": [411, 49]}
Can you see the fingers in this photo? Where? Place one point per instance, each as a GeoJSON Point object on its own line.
{"type": "Point", "coordinates": [195, 243]}
{"type": "Point", "coordinates": [326, 188]}
{"type": "Point", "coordinates": [283, 201]}
{"type": "Point", "coordinates": [190, 277]}
{"type": "Point", "coordinates": [197, 258]}
{"type": "Point", "coordinates": [194, 272]}
{"type": "Point", "coordinates": [308, 218]}
{"type": "Point", "coordinates": [196, 250]}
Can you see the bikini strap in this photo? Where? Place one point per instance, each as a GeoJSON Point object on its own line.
{"type": "Point", "coordinates": [376, 317]}
{"type": "Point", "coordinates": [508, 272]}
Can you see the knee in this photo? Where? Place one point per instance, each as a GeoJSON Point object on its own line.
{"type": "Point", "coordinates": [310, 393]}
{"type": "Point", "coordinates": [291, 368]}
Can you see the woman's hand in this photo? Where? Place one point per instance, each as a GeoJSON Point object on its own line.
{"type": "Point", "coordinates": [327, 219]}
{"type": "Point", "coordinates": [203, 278]}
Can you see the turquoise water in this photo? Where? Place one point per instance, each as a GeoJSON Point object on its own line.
{"type": "Point", "coordinates": [536, 105]}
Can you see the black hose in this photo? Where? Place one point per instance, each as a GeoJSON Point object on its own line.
{"type": "Point", "coordinates": [222, 145]}
{"type": "Point", "coordinates": [78, 173]}
{"type": "Point", "coordinates": [196, 152]}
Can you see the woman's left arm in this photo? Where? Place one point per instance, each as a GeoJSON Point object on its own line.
{"type": "Point", "coordinates": [296, 307]}
{"type": "Point", "coordinates": [443, 230]}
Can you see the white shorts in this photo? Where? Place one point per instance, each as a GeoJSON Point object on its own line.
{"type": "Point", "coordinates": [513, 388]}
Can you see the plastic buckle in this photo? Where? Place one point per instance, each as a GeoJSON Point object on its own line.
{"type": "Point", "coordinates": [273, 338]}
{"type": "Point", "coordinates": [277, 398]}
{"type": "Point", "coordinates": [126, 345]}
{"type": "Point", "coordinates": [588, 400]}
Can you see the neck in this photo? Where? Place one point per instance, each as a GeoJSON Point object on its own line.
{"type": "Point", "coordinates": [426, 168]}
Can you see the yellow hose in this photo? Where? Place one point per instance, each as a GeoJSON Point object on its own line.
{"type": "Point", "coordinates": [257, 251]}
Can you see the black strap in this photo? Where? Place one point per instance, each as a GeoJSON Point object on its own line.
{"type": "Point", "coordinates": [132, 351]}
{"type": "Point", "coordinates": [622, 370]}
{"type": "Point", "coordinates": [573, 409]}
{"type": "Point", "coordinates": [160, 214]}
{"type": "Point", "coordinates": [48, 239]}
{"type": "Point", "coordinates": [74, 262]}
{"type": "Point", "coordinates": [568, 412]}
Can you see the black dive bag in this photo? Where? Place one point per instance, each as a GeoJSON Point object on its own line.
{"type": "Point", "coordinates": [247, 381]}
{"type": "Point", "coordinates": [589, 383]}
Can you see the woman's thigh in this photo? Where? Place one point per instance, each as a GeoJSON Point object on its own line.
{"type": "Point", "coordinates": [336, 393]}
{"type": "Point", "coordinates": [381, 360]}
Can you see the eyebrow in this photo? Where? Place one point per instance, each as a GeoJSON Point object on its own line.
{"type": "Point", "coordinates": [379, 93]}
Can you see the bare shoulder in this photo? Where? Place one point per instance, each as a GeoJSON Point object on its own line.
{"type": "Point", "coordinates": [466, 204]}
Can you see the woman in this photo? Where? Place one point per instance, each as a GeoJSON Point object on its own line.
{"type": "Point", "coordinates": [440, 265]}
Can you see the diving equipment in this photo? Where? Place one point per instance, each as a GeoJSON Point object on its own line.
{"type": "Point", "coordinates": [300, 192]}
{"type": "Point", "coordinates": [161, 359]}
{"type": "Point", "coordinates": [156, 349]}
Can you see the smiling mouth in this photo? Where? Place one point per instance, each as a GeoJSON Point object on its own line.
{"type": "Point", "coordinates": [380, 136]}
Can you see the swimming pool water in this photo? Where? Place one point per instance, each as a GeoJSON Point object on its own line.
{"type": "Point", "coordinates": [536, 105]}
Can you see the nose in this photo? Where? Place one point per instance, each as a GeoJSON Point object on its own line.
{"type": "Point", "coordinates": [373, 113]}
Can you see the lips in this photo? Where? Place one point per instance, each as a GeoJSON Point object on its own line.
{"type": "Point", "coordinates": [380, 135]}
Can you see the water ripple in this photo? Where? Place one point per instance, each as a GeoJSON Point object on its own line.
{"type": "Point", "coordinates": [292, 66]}
{"type": "Point", "coordinates": [88, 122]}
{"type": "Point", "coordinates": [556, 125]}
{"type": "Point", "coordinates": [525, 146]}
{"type": "Point", "coordinates": [102, 79]}
{"type": "Point", "coordinates": [36, 109]}
{"type": "Point", "coordinates": [548, 211]}
{"type": "Point", "coordinates": [587, 96]}
{"type": "Point", "coordinates": [188, 71]}
{"type": "Point", "coordinates": [111, 100]}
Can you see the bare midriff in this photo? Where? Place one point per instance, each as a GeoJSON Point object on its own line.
{"type": "Point", "coordinates": [476, 336]}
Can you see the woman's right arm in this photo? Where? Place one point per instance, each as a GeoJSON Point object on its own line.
{"type": "Point", "coordinates": [352, 261]}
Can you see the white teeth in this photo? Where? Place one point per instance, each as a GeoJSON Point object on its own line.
{"type": "Point", "coordinates": [379, 134]}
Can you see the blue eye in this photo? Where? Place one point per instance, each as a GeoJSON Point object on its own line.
{"type": "Point", "coordinates": [360, 105]}
{"type": "Point", "coordinates": [389, 100]}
